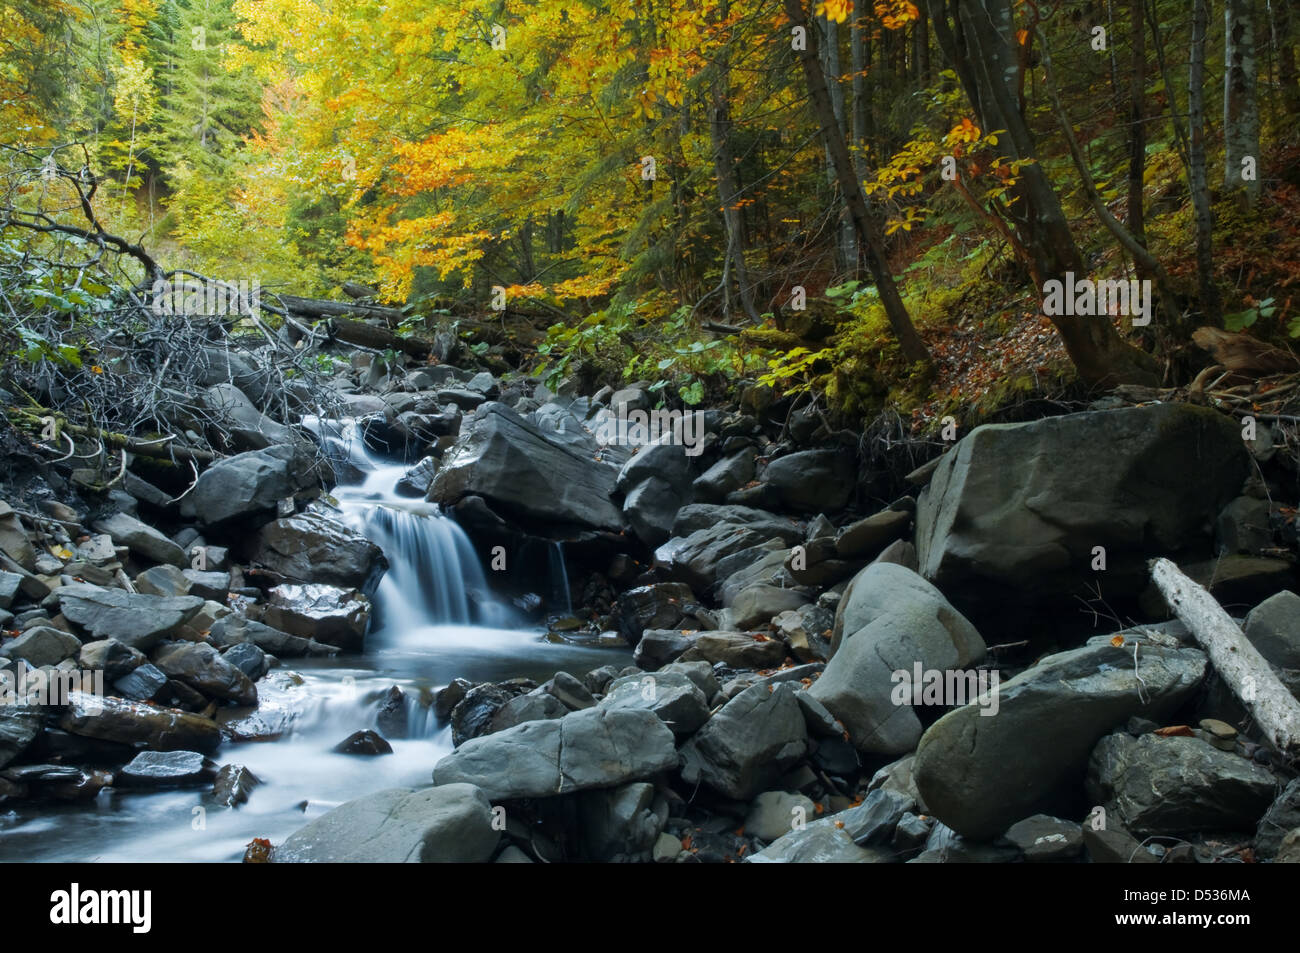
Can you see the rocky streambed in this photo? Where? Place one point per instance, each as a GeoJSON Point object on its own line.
{"type": "Point", "coordinates": [462, 625]}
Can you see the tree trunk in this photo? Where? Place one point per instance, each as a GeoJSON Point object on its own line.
{"type": "Point", "coordinates": [1196, 159]}
{"type": "Point", "coordinates": [868, 230]}
{"type": "Point", "coordinates": [1237, 661]}
{"type": "Point", "coordinates": [1137, 138]}
{"type": "Point", "coordinates": [728, 194]}
{"type": "Point", "coordinates": [979, 45]}
{"type": "Point", "coordinates": [1280, 16]}
{"type": "Point", "coordinates": [846, 252]}
{"type": "Point", "coordinates": [1240, 102]}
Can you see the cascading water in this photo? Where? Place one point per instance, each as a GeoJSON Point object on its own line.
{"type": "Point", "coordinates": [434, 619]}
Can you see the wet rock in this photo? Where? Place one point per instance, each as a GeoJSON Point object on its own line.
{"type": "Point", "coordinates": [1171, 785]}
{"type": "Point", "coordinates": [166, 768]}
{"type": "Point", "coordinates": [249, 428]}
{"type": "Point", "coordinates": [328, 614]}
{"type": "Point", "coordinates": [311, 547]}
{"type": "Point", "coordinates": [144, 683]}
{"type": "Point", "coordinates": [248, 658]}
{"type": "Point", "coordinates": [748, 744]}
{"type": "Point", "coordinates": [451, 823]}
{"type": "Point", "coordinates": [658, 606]}
{"type": "Point", "coordinates": [42, 645]}
{"type": "Point", "coordinates": [415, 482]}
{"type": "Point", "coordinates": [233, 629]}
{"type": "Point", "coordinates": [202, 668]}
{"type": "Point", "coordinates": [20, 726]}
{"type": "Point", "coordinates": [1046, 838]}
{"type": "Point", "coordinates": [158, 729]}
{"type": "Point", "coordinates": [593, 748]}
{"type": "Point", "coordinates": [393, 717]}
{"type": "Point", "coordinates": [250, 484]}
{"type": "Point", "coordinates": [660, 646]}
{"type": "Point", "coordinates": [449, 697]}
{"type": "Point", "coordinates": [980, 774]}
{"type": "Point", "coordinates": [473, 714]}
{"type": "Point", "coordinates": [233, 785]}
{"type": "Point", "coordinates": [672, 696]}
{"type": "Point", "coordinates": [137, 620]}
{"type": "Point", "coordinates": [141, 539]}
{"type": "Point", "coordinates": [365, 742]}
{"type": "Point", "coordinates": [990, 537]}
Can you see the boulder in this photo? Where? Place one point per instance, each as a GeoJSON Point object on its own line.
{"type": "Point", "coordinates": [20, 725]}
{"type": "Point", "coordinates": [650, 508]}
{"type": "Point", "coordinates": [979, 775]}
{"type": "Point", "coordinates": [521, 474]}
{"type": "Point", "coordinates": [677, 701]}
{"type": "Point", "coordinates": [115, 659]}
{"type": "Point", "coordinates": [165, 768]}
{"type": "Point", "coordinates": [42, 645]}
{"type": "Point", "coordinates": [1273, 627]}
{"type": "Point", "coordinates": [1170, 785]}
{"type": "Point", "coordinates": [620, 824]}
{"type": "Point", "coordinates": [313, 548]}
{"type": "Point", "coordinates": [248, 658]}
{"type": "Point", "coordinates": [451, 823]}
{"type": "Point", "coordinates": [867, 537]}
{"type": "Point", "coordinates": [142, 684]}
{"type": "Point", "coordinates": [233, 629]}
{"type": "Point", "coordinates": [134, 619]}
{"type": "Point", "coordinates": [593, 748]}
{"type": "Point", "coordinates": [812, 481]}
{"type": "Point", "coordinates": [727, 475]}
{"type": "Point", "coordinates": [158, 729]}
{"type": "Point", "coordinates": [202, 668]}
{"type": "Point", "coordinates": [735, 650]}
{"type": "Point", "coordinates": [141, 539]}
{"type": "Point", "coordinates": [775, 813]}
{"type": "Point", "coordinates": [233, 785]}
{"type": "Point", "coordinates": [1046, 838]}
{"type": "Point", "coordinates": [991, 535]}
{"type": "Point", "coordinates": [328, 614]}
{"type": "Point", "coordinates": [250, 484]}
{"type": "Point", "coordinates": [249, 428]}
{"type": "Point", "coordinates": [364, 742]}
{"type": "Point", "coordinates": [751, 741]}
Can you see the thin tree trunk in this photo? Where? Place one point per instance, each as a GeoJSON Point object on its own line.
{"type": "Point", "coordinates": [728, 194]}
{"type": "Point", "coordinates": [1280, 15]}
{"type": "Point", "coordinates": [1240, 100]}
{"type": "Point", "coordinates": [1137, 139]}
{"type": "Point", "coordinates": [847, 251]}
{"type": "Point", "coordinates": [1199, 187]}
{"type": "Point", "coordinates": [868, 230]}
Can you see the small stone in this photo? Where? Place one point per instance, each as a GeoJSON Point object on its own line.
{"type": "Point", "coordinates": [1219, 733]}
{"type": "Point", "coordinates": [233, 785]}
{"type": "Point", "coordinates": [666, 849]}
{"type": "Point", "coordinates": [363, 742]}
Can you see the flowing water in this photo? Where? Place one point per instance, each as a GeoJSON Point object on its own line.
{"type": "Point", "coordinates": [435, 619]}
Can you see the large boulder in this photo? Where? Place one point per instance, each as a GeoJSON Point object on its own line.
{"type": "Point", "coordinates": [593, 748]}
{"type": "Point", "coordinates": [672, 696]}
{"type": "Point", "coordinates": [312, 547]}
{"type": "Point", "coordinates": [979, 775]}
{"type": "Point", "coordinates": [141, 539]}
{"type": "Point", "coordinates": [1273, 627]}
{"type": "Point", "coordinates": [248, 427]}
{"type": "Point", "coordinates": [134, 619]}
{"type": "Point", "coordinates": [812, 481]}
{"type": "Point", "coordinates": [888, 621]}
{"type": "Point", "coordinates": [329, 614]}
{"type": "Point", "coordinates": [746, 747]}
{"type": "Point", "coordinates": [251, 484]}
{"type": "Point", "coordinates": [525, 476]}
{"type": "Point", "coordinates": [135, 723]}
{"type": "Point", "coordinates": [451, 823]}
{"type": "Point", "coordinates": [1014, 511]}
{"type": "Point", "coordinates": [1162, 785]}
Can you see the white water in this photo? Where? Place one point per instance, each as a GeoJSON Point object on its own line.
{"type": "Point", "coordinates": [435, 620]}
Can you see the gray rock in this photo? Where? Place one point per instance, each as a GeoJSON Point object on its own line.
{"type": "Point", "coordinates": [661, 605]}
{"type": "Point", "coordinates": [853, 836]}
{"type": "Point", "coordinates": [1171, 785]}
{"type": "Point", "coordinates": [1273, 627]}
{"type": "Point", "coordinates": [233, 629]}
{"type": "Point", "coordinates": [744, 748]}
{"type": "Point", "coordinates": [250, 484]}
{"type": "Point", "coordinates": [698, 516]}
{"type": "Point", "coordinates": [979, 774]}
{"type": "Point", "coordinates": [141, 539]}
{"type": "Point", "coordinates": [158, 729]}
{"type": "Point", "coordinates": [672, 696]}
{"type": "Point", "coordinates": [143, 683]}
{"type": "Point", "coordinates": [450, 823]}
{"type": "Point", "coordinates": [1289, 852]}
{"type": "Point", "coordinates": [20, 725]}
{"type": "Point", "coordinates": [811, 481]}
{"type": "Point", "coordinates": [1111, 844]}
{"type": "Point", "coordinates": [1282, 816]}
{"type": "Point", "coordinates": [472, 715]}
{"type": "Point", "coordinates": [987, 533]}
{"type": "Point", "coordinates": [620, 824]}
{"type": "Point", "coordinates": [248, 658]}
{"type": "Point", "coordinates": [776, 813]}
{"type": "Point", "coordinates": [42, 645]}
{"type": "Point", "coordinates": [208, 584]}
{"type": "Point", "coordinates": [138, 620]}
{"type": "Point", "coordinates": [521, 474]}
{"type": "Point", "coordinates": [10, 585]}
{"type": "Point", "coordinates": [889, 620]}
{"type": "Point", "coordinates": [111, 657]}
{"type": "Point", "coordinates": [597, 747]}
{"type": "Point", "coordinates": [311, 547]}
{"type": "Point", "coordinates": [570, 691]}
{"type": "Point", "coordinates": [364, 742]}
{"type": "Point", "coordinates": [728, 474]}
{"type": "Point", "coordinates": [166, 580]}
{"type": "Point", "coordinates": [531, 706]}
{"type": "Point", "coordinates": [868, 537]}
{"type": "Point", "coordinates": [249, 427]}
{"type": "Point", "coordinates": [201, 667]}
{"type": "Point", "coordinates": [658, 647]}
{"type": "Point", "coordinates": [1046, 838]}
{"type": "Point", "coordinates": [164, 768]}
{"type": "Point", "coordinates": [650, 508]}
{"type": "Point", "coordinates": [736, 650]}
{"type": "Point", "coordinates": [758, 605]}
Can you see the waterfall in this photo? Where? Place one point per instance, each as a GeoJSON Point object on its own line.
{"type": "Point", "coordinates": [561, 601]}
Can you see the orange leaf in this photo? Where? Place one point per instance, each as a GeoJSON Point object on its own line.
{"type": "Point", "coordinates": [1174, 731]}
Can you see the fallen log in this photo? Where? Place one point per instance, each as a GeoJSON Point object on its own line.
{"type": "Point", "coordinates": [377, 338]}
{"type": "Point", "coordinates": [321, 308]}
{"type": "Point", "coordinates": [1243, 354]}
{"type": "Point", "coordinates": [1238, 662]}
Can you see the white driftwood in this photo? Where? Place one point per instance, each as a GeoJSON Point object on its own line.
{"type": "Point", "coordinates": [1238, 662]}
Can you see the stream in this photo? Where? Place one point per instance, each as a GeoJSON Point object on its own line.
{"type": "Point", "coordinates": [435, 619]}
